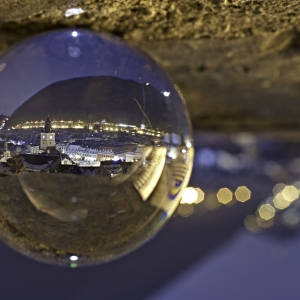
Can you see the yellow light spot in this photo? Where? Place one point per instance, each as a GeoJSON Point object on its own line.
{"type": "Point", "coordinates": [265, 223]}
{"type": "Point", "coordinates": [211, 202]}
{"type": "Point", "coordinates": [242, 194]}
{"type": "Point", "coordinates": [192, 195]}
{"type": "Point", "coordinates": [278, 188]}
{"type": "Point", "coordinates": [189, 196]}
{"type": "Point", "coordinates": [290, 193]}
{"type": "Point", "coordinates": [266, 212]}
{"type": "Point", "coordinates": [224, 195]}
{"type": "Point", "coordinates": [280, 202]}
{"type": "Point", "coordinates": [200, 195]}
{"type": "Point", "coordinates": [185, 210]}
{"type": "Point", "coordinates": [251, 223]}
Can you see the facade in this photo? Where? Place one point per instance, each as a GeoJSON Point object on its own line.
{"type": "Point", "coordinates": [62, 147]}
{"type": "Point", "coordinates": [47, 137]}
{"type": "Point", "coordinates": [34, 149]}
{"type": "Point", "coordinates": [79, 153]}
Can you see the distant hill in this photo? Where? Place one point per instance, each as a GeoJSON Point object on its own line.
{"type": "Point", "coordinates": [2, 117]}
{"type": "Point", "coordinates": [92, 99]}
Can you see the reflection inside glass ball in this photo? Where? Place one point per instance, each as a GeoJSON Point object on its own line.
{"type": "Point", "coordinates": [95, 148]}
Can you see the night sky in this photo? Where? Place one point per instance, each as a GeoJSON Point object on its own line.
{"type": "Point", "coordinates": [57, 55]}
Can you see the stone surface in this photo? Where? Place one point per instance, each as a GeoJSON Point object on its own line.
{"type": "Point", "coordinates": [236, 61]}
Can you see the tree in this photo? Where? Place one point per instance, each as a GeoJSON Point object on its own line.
{"type": "Point", "coordinates": [15, 164]}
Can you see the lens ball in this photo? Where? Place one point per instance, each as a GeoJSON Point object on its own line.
{"type": "Point", "coordinates": [95, 147]}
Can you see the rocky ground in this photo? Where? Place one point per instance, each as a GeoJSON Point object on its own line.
{"type": "Point", "coordinates": [236, 61]}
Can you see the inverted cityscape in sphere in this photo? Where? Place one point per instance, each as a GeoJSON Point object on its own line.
{"type": "Point", "coordinates": [95, 148]}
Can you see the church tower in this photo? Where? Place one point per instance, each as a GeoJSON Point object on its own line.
{"type": "Point", "coordinates": [47, 136]}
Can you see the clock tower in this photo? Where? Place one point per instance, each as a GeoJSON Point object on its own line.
{"type": "Point", "coordinates": [47, 136]}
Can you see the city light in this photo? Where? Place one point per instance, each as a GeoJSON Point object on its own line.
{"type": "Point", "coordinates": [103, 125]}
{"type": "Point", "coordinates": [73, 257]}
{"type": "Point", "coordinates": [166, 94]}
{"type": "Point", "coordinates": [87, 151]}
{"type": "Point", "coordinates": [74, 33]}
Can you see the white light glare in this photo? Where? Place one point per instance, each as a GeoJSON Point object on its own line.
{"type": "Point", "coordinates": [74, 33]}
{"type": "Point", "coordinates": [166, 94]}
{"type": "Point", "coordinates": [188, 144]}
{"type": "Point", "coordinates": [73, 258]}
{"type": "Point", "coordinates": [73, 11]}
{"type": "Point", "coordinates": [173, 155]}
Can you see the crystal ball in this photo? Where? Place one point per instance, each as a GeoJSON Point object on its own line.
{"type": "Point", "coordinates": [95, 147]}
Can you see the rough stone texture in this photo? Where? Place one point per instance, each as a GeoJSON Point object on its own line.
{"type": "Point", "coordinates": [236, 61]}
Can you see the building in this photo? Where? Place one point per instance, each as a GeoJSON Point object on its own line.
{"type": "Point", "coordinates": [34, 149]}
{"type": "Point", "coordinates": [39, 163]}
{"type": "Point", "coordinates": [62, 147]}
{"type": "Point", "coordinates": [79, 153]}
{"type": "Point", "coordinates": [48, 136]}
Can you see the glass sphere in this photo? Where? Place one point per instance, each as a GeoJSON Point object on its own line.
{"type": "Point", "coordinates": [95, 147]}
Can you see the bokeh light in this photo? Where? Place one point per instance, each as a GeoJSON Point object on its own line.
{"type": "Point", "coordinates": [185, 210]}
{"type": "Point", "coordinates": [211, 202]}
{"type": "Point", "coordinates": [189, 196]}
{"type": "Point", "coordinates": [192, 195]}
{"type": "Point", "coordinates": [266, 212]}
{"type": "Point", "coordinates": [278, 188]}
{"type": "Point", "coordinates": [251, 223]}
{"type": "Point", "coordinates": [242, 194]}
{"type": "Point", "coordinates": [201, 195]}
{"type": "Point", "coordinates": [265, 223]}
{"type": "Point", "coordinates": [290, 193]}
{"type": "Point", "coordinates": [291, 218]}
{"type": "Point", "coordinates": [280, 202]}
{"type": "Point", "coordinates": [224, 195]}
